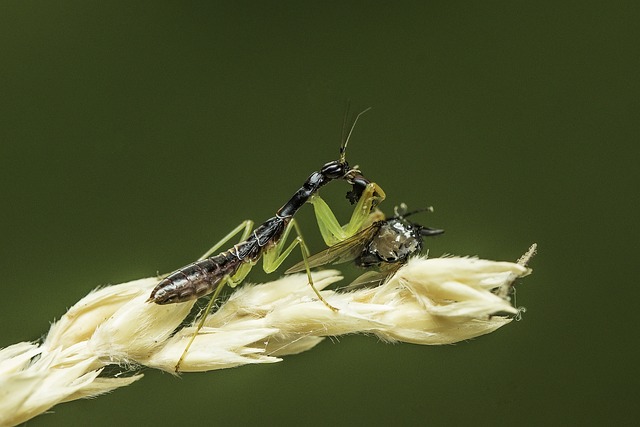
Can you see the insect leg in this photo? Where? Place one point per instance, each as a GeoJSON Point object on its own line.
{"type": "Point", "coordinates": [231, 281]}
{"type": "Point", "coordinates": [331, 230]}
{"type": "Point", "coordinates": [215, 295]}
{"type": "Point", "coordinates": [372, 196]}
{"type": "Point", "coordinates": [247, 225]}
{"type": "Point", "coordinates": [273, 257]}
{"type": "Point", "coordinates": [234, 281]}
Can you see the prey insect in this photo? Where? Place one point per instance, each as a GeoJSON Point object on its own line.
{"type": "Point", "coordinates": [383, 244]}
{"type": "Point", "coordinates": [210, 273]}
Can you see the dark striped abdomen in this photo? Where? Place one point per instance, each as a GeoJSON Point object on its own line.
{"type": "Point", "coordinates": [203, 277]}
{"type": "Point", "coordinates": [195, 280]}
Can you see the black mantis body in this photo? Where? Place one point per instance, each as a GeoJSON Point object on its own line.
{"type": "Point", "coordinates": [384, 244]}
{"type": "Point", "coordinates": [209, 273]}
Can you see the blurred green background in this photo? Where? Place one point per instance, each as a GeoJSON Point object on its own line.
{"type": "Point", "coordinates": [134, 136]}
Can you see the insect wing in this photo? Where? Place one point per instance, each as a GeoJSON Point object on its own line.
{"type": "Point", "coordinates": [368, 279]}
{"type": "Point", "coordinates": [342, 252]}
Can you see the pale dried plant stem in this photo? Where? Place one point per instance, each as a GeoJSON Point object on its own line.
{"type": "Point", "coordinates": [428, 301]}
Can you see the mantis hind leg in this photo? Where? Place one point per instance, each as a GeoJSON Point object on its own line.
{"type": "Point", "coordinates": [247, 225]}
{"type": "Point", "coordinates": [273, 257]}
{"type": "Point", "coordinates": [200, 324]}
{"type": "Point", "coordinates": [331, 230]}
{"type": "Point", "coordinates": [232, 281]}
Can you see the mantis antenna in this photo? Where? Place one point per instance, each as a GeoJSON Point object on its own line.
{"type": "Point", "coordinates": [343, 147]}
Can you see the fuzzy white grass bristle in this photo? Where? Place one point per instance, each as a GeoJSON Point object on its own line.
{"type": "Point", "coordinates": [427, 301]}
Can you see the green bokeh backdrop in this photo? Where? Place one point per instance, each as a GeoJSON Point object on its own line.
{"type": "Point", "coordinates": [134, 136]}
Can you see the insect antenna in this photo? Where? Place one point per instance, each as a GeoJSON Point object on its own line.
{"type": "Point", "coordinates": [428, 231]}
{"type": "Point", "coordinates": [400, 212]}
{"type": "Point", "coordinates": [343, 147]}
{"type": "Point", "coordinates": [345, 141]}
